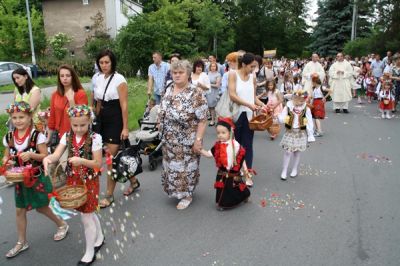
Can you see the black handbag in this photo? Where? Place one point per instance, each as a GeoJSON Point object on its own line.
{"type": "Point", "coordinates": [127, 163]}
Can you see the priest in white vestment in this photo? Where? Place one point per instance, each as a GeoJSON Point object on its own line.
{"type": "Point", "coordinates": [340, 81]}
{"type": "Point", "coordinates": [311, 69]}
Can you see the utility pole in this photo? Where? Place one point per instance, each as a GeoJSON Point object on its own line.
{"type": "Point", "coordinates": [354, 22]}
{"type": "Point", "coordinates": [28, 13]}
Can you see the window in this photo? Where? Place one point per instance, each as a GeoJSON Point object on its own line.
{"type": "Point", "coordinates": [3, 67]}
{"type": "Point", "coordinates": [13, 66]}
{"type": "Point", "coordinates": [85, 2]}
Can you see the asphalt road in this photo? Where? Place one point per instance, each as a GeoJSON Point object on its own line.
{"type": "Point", "coordinates": [341, 210]}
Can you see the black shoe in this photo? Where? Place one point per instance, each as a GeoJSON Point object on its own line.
{"type": "Point", "coordinates": [97, 249]}
{"type": "Point", "coordinates": [337, 111]}
{"type": "Point", "coordinates": [87, 263]}
{"type": "Point", "coordinates": [345, 111]}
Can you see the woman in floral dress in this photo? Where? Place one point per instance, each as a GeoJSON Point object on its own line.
{"type": "Point", "coordinates": [183, 116]}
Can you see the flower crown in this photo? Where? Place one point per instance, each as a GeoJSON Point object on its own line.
{"type": "Point", "coordinates": [300, 93]}
{"type": "Point", "coordinates": [19, 107]}
{"type": "Point", "coordinates": [80, 110]}
{"type": "Point", "coordinates": [44, 114]}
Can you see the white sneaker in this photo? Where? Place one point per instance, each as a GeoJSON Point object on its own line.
{"type": "Point", "coordinates": [388, 116]}
{"type": "Point", "coordinates": [383, 116]}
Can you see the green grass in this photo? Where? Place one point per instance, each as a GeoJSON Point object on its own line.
{"type": "Point", "coordinates": [41, 82]}
{"type": "Point", "coordinates": [137, 99]}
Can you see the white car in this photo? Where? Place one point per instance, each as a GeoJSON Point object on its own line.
{"type": "Point", "coordinates": [6, 68]}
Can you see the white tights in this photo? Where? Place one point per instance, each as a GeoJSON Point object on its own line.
{"type": "Point", "coordinates": [286, 160]}
{"type": "Point", "coordinates": [93, 234]}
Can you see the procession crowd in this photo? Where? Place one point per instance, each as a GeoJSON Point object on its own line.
{"type": "Point", "coordinates": [187, 98]}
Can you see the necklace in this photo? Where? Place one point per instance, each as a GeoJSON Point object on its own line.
{"type": "Point", "coordinates": [19, 140]}
{"type": "Point", "coordinates": [80, 143]}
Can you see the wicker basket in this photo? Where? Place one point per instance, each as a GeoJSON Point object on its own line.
{"type": "Point", "coordinates": [14, 177]}
{"type": "Point", "coordinates": [260, 122]}
{"type": "Point", "coordinates": [386, 101]}
{"type": "Point", "coordinates": [274, 129]}
{"type": "Point", "coordinates": [69, 197]}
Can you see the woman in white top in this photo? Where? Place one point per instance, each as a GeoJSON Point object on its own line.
{"type": "Point", "coordinates": [242, 90]}
{"type": "Point", "coordinates": [111, 94]}
{"type": "Point", "coordinates": [199, 77]}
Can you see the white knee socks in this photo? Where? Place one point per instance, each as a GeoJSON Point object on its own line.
{"type": "Point", "coordinates": [296, 160]}
{"type": "Point", "coordinates": [286, 160]}
{"type": "Point", "coordinates": [100, 237]}
{"type": "Point", "coordinates": [90, 235]}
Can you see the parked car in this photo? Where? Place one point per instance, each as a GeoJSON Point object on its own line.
{"type": "Point", "coordinates": [6, 68]}
{"type": "Point", "coordinates": [41, 72]}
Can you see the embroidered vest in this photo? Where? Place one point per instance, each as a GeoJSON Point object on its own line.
{"type": "Point", "coordinates": [302, 117]}
{"type": "Point", "coordinates": [31, 147]}
{"type": "Point", "coordinates": [85, 151]}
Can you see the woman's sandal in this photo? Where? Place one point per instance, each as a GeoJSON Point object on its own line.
{"type": "Point", "coordinates": [19, 247]}
{"type": "Point", "coordinates": [106, 202]}
{"type": "Point", "coordinates": [61, 232]}
{"type": "Point", "coordinates": [132, 188]}
{"type": "Point", "coordinates": [184, 203]}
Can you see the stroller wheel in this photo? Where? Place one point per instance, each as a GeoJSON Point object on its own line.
{"type": "Point", "coordinates": [152, 165]}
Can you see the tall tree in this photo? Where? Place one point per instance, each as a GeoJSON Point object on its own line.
{"type": "Point", "coordinates": [14, 35]}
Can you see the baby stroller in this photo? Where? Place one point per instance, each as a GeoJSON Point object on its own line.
{"type": "Point", "coordinates": [148, 137]}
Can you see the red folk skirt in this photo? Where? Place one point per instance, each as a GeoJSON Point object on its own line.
{"type": "Point", "coordinates": [318, 112]}
{"type": "Point", "coordinates": [388, 107]}
{"type": "Point", "coordinates": [93, 188]}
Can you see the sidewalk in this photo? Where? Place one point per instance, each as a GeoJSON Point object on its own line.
{"type": "Point", "coordinates": [7, 98]}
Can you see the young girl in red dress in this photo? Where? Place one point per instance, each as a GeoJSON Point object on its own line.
{"type": "Point", "coordinates": [229, 158]}
{"type": "Point", "coordinates": [318, 100]}
{"type": "Point", "coordinates": [386, 100]}
{"type": "Point", "coordinates": [84, 161]}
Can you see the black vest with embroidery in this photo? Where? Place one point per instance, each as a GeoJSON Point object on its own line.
{"type": "Point", "coordinates": [85, 151]}
{"type": "Point", "coordinates": [31, 147]}
{"type": "Point", "coordinates": [302, 115]}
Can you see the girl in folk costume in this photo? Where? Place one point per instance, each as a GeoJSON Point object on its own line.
{"type": "Point", "coordinates": [298, 122]}
{"type": "Point", "coordinates": [318, 100]}
{"type": "Point", "coordinates": [84, 161]}
{"type": "Point", "coordinates": [25, 146]}
{"type": "Point", "coordinates": [386, 102]}
{"type": "Point", "coordinates": [358, 83]}
{"type": "Point", "coordinates": [274, 105]}
{"type": "Point", "coordinates": [370, 84]}
{"type": "Point", "coordinates": [287, 86]}
{"type": "Point", "coordinates": [229, 158]}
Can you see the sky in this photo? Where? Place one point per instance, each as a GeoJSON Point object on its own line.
{"type": "Point", "coordinates": [313, 7]}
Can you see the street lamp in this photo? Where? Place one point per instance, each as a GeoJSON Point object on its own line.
{"type": "Point", "coordinates": [28, 13]}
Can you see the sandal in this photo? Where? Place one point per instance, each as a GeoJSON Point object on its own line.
{"type": "Point", "coordinates": [106, 202]}
{"type": "Point", "coordinates": [132, 188]}
{"type": "Point", "coordinates": [184, 203]}
{"type": "Point", "coordinates": [61, 232]}
{"type": "Point", "coordinates": [15, 250]}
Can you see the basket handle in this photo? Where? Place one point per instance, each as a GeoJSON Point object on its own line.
{"type": "Point", "coordinates": [54, 176]}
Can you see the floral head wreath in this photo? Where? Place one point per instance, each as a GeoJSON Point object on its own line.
{"type": "Point", "coordinates": [44, 114]}
{"type": "Point", "coordinates": [80, 110]}
{"type": "Point", "coordinates": [19, 107]}
{"type": "Point", "coordinates": [300, 93]}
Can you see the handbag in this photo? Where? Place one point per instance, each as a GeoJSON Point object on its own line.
{"type": "Point", "coordinates": [226, 107]}
{"type": "Point", "coordinates": [127, 163]}
{"type": "Point", "coordinates": [55, 134]}
{"type": "Point", "coordinates": [96, 125]}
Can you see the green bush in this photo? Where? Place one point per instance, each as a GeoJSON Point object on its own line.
{"type": "Point", "coordinates": [84, 67]}
{"type": "Point", "coordinates": [357, 48]}
{"type": "Point", "coordinates": [3, 131]}
{"type": "Point", "coordinates": [58, 43]}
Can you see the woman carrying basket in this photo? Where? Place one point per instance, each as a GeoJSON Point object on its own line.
{"type": "Point", "coordinates": [84, 161]}
{"type": "Point", "coordinates": [26, 146]}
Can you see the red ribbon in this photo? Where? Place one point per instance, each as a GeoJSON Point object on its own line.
{"type": "Point", "coordinates": [29, 176]}
{"type": "Point", "coordinates": [219, 184]}
{"type": "Point", "coordinates": [242, 187]}
{"type": "Point", "coordinates": [52, 194]}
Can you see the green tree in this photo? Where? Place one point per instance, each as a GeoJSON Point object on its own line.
{"type": "Point", "coordinates": [100, 39]}
{"type": "Point", "coordinates": [14, 33]}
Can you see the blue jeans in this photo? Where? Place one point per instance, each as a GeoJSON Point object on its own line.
{"type": "Point", "coordinates": [157, 98]}
{"type": "Point", "coordinates": [245, 136]}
